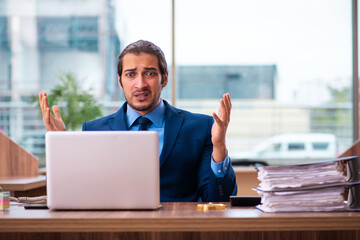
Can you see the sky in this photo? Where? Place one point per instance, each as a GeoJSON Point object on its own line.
{"type": "Point", "coordinates": [309, 41]}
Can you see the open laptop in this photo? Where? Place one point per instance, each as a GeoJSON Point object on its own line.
{"type": "Point", "coordinates": [103, 170]}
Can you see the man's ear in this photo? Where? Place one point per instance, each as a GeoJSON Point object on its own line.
{"type": "Point", "coordinates": [119, 82]}
{"type": "Point", "coordinates": [164, 81]}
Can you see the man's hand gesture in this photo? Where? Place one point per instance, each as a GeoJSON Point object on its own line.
{"type": "Point", "coordinates": [52, 122]}
{"type": "Point", "coordinates": [218, 131]}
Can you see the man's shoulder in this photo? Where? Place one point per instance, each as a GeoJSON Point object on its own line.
{"type": "Point", "coordinates": [107, 123]}
{"type": "Point", "coordinates": [102, 119]}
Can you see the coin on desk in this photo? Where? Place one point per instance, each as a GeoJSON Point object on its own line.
{"type": "Point", "coordinates": [210, 206]}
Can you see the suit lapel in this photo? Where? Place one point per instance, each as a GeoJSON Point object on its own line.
{"type": "Point", "coordinates": [173, 123]}
{"type": "Point", "coordinates": [119, 122]}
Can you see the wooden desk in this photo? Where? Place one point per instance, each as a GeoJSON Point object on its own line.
{"type": "Point", "coordinates": [177, 221]}
{"type": "Point", "coordinates": [24, 186]}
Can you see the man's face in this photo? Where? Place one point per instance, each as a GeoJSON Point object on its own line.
{"type": "Point", "coordinates": [141, 82]}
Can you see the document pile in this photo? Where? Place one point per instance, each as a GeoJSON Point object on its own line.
{"type": "Point", "coordinates": [319, 186]}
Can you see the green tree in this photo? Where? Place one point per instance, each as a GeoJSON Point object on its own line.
{"type": "Point", "coordinates": [341, 95]}
{"type": "Point", "coordinates": [76, 105]}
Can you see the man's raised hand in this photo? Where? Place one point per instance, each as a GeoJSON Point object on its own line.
{"type": "Point", "coordinates": [52, 122]}
{"type": "Point", "coordinates": [218, 131]}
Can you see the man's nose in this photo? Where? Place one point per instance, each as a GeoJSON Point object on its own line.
{"type": "Point", "coordinates": [141, 81]}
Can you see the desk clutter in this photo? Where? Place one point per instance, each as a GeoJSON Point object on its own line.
{"type": "Point", "coordinates": [323, 186]}
{"type": "Point", "coordinates": [4, 201]}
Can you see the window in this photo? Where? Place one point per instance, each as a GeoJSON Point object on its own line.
{"type": "Point", "coordinates": [43, 40]}
{"type": "Point", "coordinates": [273, 57]}
{"type": "Point", "coordinates": [4, 54]}
{"type": "Point", "coordinates": [274, 147]}
{"type": "Point", "coordinates": [4, 35]}
{"type": "Point", "coordinates": [296, 146]}
{"type": "Point", "coordinates": [320, 145]}
{"type": "Point", "coordinates": [66, 33]}
{"type": "Point", "coordinates": [85, 33]}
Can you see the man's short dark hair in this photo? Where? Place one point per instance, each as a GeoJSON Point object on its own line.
{"type": "Point", "coordinates": [143, 46]}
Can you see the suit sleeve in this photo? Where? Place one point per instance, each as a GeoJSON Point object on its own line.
{"type": "Point", "coordinates": [210, 187]}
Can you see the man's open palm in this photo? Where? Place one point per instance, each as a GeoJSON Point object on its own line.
{"type": "Point", "coordinates": [52, 122]}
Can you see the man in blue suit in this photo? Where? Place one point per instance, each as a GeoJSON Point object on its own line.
{"type": "Point", "coordinates": [194, 164]}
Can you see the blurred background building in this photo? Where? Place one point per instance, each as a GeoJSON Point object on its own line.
{"type": "Point", "coordinates": [40, 40]}
{"type": "Point", "coordinates": [290, 76]}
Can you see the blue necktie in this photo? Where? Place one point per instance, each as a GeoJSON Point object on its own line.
{"type": "Point", "coordinates": [143, 122]}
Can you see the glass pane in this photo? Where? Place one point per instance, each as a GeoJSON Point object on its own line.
{"type": "Point", "coordinates": [44, 39]}
{"type": "Point", "coordinates": [286, 64]}
{"type": "Point", "coordinates": [296, 146]}
{"type": "Point", "coordinates": [320, 146]}
{"type": "Point", "coordinates": [41, 40]}
{"type": "Point", "coordinates": [147, 20]}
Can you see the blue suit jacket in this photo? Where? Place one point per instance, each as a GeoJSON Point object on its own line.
{"type": "Point", "coordinates": [185, 170]}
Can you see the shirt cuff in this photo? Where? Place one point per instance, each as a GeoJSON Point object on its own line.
{"type": "Point", "coordinates": [220, 169]}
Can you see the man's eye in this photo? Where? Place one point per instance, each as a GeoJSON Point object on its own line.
{"type": "Point", "coordinates": [150, 73]}
{"type": "Point", "coordinates": [130, 74]}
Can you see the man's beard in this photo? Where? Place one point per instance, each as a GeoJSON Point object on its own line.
{"type": "Point", "coordinates": [148, 107]}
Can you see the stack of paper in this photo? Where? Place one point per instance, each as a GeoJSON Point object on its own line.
{"type": "Point", "coordinates": [327, 199]}
{"type": "Point", "coordinates": [308, 187]}
{"type": "Point", "coordinates": [296, 176]}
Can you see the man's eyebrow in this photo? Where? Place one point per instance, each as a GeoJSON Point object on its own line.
{"type": "Point", "coordinates": [130, 70]}
{"type": "Point", "coordinates": [146, 68]}
{"type": "Point", "coordinates": [150, 68]}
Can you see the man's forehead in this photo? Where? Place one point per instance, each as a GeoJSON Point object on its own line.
{"type": "Point", "coordinates": [133, 60]}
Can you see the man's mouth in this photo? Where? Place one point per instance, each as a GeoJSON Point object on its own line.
{"type": "Point", "coordinates": [141, 96]}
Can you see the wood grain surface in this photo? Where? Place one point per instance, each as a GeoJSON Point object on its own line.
{"type": "Point", "coordinates": [22, 183]}
{"type": "Point", "coordinates": [15, 160]}
{"type": "Point", "coordinates": [354, 150]}
{"type": "Point", "coordinates": [177, 221]}
{"type": "Point", "coordinates": [174, 217]}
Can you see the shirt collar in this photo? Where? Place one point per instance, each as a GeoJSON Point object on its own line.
{"type": "Point", "coordinates": [156, 116]}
